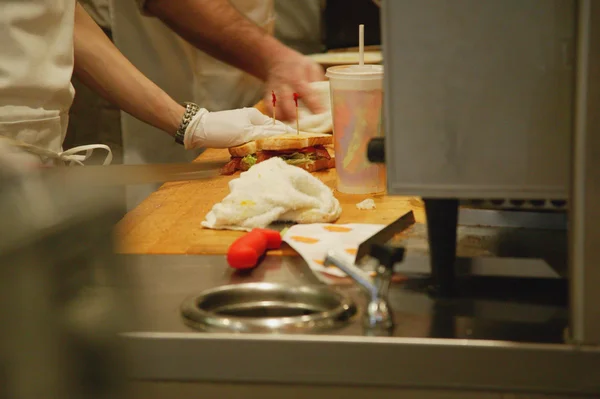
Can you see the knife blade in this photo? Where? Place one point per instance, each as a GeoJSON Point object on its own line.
{"type": "Point", "coordinates": [385, 234]}
{"type": "Point", "coordinates": [116, 175]}
{"type": "Point", "coordinates": [281, 227]}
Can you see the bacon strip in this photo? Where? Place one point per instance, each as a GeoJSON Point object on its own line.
{"type": "Point", "coordinates": [236, 163]}
{"type": "Point", "coordinates": [264, 155]}
{"type": "Point", "coordinates": [231, 167]}
{"type": "Point", "coordinates": [322, 152]}
{"type": "Point", "coordinates": [318, 149]}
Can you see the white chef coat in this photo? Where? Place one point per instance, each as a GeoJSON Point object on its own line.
{"type": "Point", "coordinates": [184, 72]}
{"type": "Point", "coordinates": [299, 23]}
{"type": "Point", "coordinates": [36, 63]}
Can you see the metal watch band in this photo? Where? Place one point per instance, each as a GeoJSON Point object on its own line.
{"type": "Point", "coordinates": [191, 110]}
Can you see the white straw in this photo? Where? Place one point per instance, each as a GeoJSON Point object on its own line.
{"type": "Point", "coordinates": [361, 44]}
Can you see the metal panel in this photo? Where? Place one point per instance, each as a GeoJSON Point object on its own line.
{"type": "Point", "coordinates": [514, 219]}
{"type": "Point", "coordinates": [58, 310]}
{"type": "Point", "coordinates": [170, 390]}
{"type": "Point", "coordinates": [499, 309]}
{"type": "Point", "coordinates": [479, 97]}
{"type": "Point", "coordinates": [365, 361]}
{"type": "Point", "coordinates": [500, 338]}
{"type": "Point", "coordinates": [585, 215]}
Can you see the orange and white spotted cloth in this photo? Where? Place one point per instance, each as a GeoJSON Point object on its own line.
{"type": "Point", "coordinates": [312, 241]}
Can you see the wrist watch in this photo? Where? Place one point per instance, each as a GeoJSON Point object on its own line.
{"type": "Point", "coordinates": [191, 110]}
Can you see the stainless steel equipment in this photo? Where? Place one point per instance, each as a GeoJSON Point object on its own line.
{"type": "Point", "coordinates": [375, 255]}
{"type": "Point", "coordinates": [384, 235]}
{"type": "Point", "coordinates": [481, 97]}
{"type": "Point", "coordinates": [60, 308]}
{"type": "Point", "coordinates": [496, 101]}
{"type": "Point", "coordinates": [495, 344]}
{"type": "Point", "coordinates": [268, 308]}
{"type": "Point", "coordinates": [377, 319]}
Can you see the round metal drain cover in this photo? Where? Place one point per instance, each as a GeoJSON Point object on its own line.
{"type": "Point", "coordinates": [267, 307]}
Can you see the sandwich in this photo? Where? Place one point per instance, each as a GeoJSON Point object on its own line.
{"type": "Point", "coordinates": [305, 150]}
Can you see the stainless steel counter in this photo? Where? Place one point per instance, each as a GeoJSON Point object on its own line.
{"type": "Point", "coordinates": [497, 336]}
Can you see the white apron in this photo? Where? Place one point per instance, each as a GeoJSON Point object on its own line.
{"type": "Point", "coordinates": [36, 64]}
{"type": "Point", "coordinates": [185, 73]}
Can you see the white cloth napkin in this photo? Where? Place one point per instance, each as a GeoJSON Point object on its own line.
{"type": "Point", "coordinates": [314, 240]}
{"type": "Point", "coordinates": [315, 123]}
{"type": "Point", "coordinates": [273, 191]}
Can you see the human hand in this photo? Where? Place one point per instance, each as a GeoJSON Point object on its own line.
{"type": "Point", "coordinates": [288, 73]}
{"type": "Point", "coordinates": [226, 129]}
{"type": "Point", "coordinates": [311, 122]}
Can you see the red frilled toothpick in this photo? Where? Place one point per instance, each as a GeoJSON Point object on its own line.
{"type": "Point", "coordinates": [296, 97]}
{"type": "Point", "coordinates": [274, 99]}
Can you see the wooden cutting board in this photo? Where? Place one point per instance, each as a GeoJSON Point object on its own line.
{"type": "Point", "coordinates": [168, 222]}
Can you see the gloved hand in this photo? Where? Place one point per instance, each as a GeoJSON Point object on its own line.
{"type": "Point", "coordinates": [291, 73]}
{"type": "Point", "coordinates": [226, 129]}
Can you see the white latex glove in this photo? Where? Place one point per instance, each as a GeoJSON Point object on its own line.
{"type": "Point", "coordinates": [226, 129]}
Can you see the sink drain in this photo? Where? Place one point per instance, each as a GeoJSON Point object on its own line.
{"type": "Point", "coordinates": [266, 307]}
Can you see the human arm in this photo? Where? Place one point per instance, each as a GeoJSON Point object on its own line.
{"type": "Point", "coordinates": [102, 67]}
{"type": "Point", "coordinates": [217, 28]}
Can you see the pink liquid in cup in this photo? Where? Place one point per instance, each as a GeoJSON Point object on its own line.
{"type": "Point", "coordinates": [356, 108]}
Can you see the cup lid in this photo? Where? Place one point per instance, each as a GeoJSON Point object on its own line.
{"type": "Point", "coordinates": [355, 72]}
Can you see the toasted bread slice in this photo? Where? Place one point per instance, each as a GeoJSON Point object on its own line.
{"type": "Point", "coordinates": [294, 141]}
{"type": "Point", "coordinates": [319, 164]}
{"type": "Point", "coordinates": [244, 149]}
{"type": "Point", "coordinates": [281, 143]}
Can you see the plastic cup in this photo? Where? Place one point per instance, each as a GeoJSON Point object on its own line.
{"type": "Point", "coordinates": [356, 101]}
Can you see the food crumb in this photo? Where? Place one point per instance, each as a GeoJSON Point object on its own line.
{"type": "Point", "coordinates": [366, 204]}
